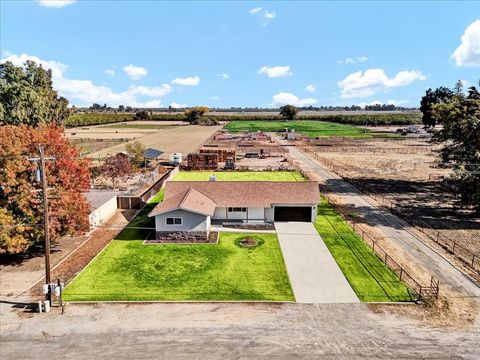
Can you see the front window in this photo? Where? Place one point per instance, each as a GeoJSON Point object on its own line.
{"type": "Point", "coordinates": [174, 221]}
{"type": "Point", "coordinates": [237, 209]}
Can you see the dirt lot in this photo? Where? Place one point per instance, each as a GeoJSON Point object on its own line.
{"type": "Point", "coordinates": [405, 173]}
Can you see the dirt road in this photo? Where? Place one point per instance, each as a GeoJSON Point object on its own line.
{"type": "Point", "coordinates": [390, 226]}
{"type": "Point", "coordinates": [227, 331]}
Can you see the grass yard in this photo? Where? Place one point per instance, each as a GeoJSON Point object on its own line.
{"type": "Point", "coordinates": [309, 128]}
{"type": "Point", "coordinates": [369, 277]}
{"type": "Point", "coordinates": [129, 270]}
{"type": "Point", "coordinates": [240, 176]}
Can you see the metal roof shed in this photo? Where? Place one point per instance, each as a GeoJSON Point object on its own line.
{"type": "Point", "coordinates": [152, 154]}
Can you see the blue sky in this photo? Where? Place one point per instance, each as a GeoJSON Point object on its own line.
{"type": "Point", "coordinates": [220, 54]}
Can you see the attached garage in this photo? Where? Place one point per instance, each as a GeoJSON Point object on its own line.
{"type": "Point", "coordinates": [293, 213]}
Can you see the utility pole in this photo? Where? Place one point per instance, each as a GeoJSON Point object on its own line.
{"type": "Point", "coordinates": [45, 215]}
{"type": "Point", "coordinates": [43, 179]}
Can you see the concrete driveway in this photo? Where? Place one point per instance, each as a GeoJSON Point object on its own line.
{"type": "Point", "coordinates": [313, 272]}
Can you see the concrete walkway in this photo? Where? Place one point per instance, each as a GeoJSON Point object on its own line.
{"type": "Point", "coordinates": [219, 228]}
{"type": "Point", "coordinates": [313, 272]}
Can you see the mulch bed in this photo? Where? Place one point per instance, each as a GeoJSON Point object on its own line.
{"type": "Point", "coordinates": [248, 242]}
{"type": "Point", "coordinates": [251, 226]}
{"type": "Point", "coordinates": [183, 237]}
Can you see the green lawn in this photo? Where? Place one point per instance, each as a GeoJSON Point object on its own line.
{"type": "Point", "coordinates": [129, 270]}
{"type": "Point", "coordinates": [240, 176]}
{"type": "Point", "coordinates": [306, 127]}
{"type": "Point", "coordinates": [369, 277]}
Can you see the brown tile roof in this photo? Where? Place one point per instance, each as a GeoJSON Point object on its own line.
{"type": "Point", "coordinates": [187, 199]}
{"type": "Point", "coordinates": [235, 194]}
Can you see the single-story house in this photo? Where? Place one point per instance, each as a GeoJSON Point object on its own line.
{"type": "Point", "coordinates": [193, 205]}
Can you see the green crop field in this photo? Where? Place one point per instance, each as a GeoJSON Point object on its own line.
{"type": "Point", "coordinates": [309, 128]}
{"type": "Point", "coordinates": [240, 176]}
{"type": "Point", "coordinates": [371, 280]}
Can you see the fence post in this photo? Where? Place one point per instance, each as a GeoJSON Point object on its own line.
{"type": "Point", "coordinates": [473, 259]}
{"type": "Point", "coordinates": [453, 249]}
{"type": "Point", "coordinates": [401, 273]}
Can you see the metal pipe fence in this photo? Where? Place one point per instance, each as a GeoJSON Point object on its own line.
{"type": "Point", "coordinates": [452, 246]}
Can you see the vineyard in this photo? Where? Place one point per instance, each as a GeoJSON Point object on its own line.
{"type": "Point", "coordinates": [86, 119]}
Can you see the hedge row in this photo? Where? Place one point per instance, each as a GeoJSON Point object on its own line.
{"type": "Point", "coordinates": [84, 119]}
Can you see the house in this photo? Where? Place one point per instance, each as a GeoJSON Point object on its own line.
{"type": "Point", "coordinates": [191, 206]}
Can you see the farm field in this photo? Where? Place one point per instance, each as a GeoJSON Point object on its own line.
{"type": "Point", "coordinates": [371, 280]}
{"type": "Point", "coordinates": [183, 139]}
{"type": "Point", "coordinates": [129, 270]}
{"type": "Point", "coordinates": [306, 127]}
{"type": "Point", "coordinates": [240, 176]}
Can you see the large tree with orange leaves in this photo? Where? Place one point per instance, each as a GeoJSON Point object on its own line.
{"type": "Point", "coordinates": [20, 204]}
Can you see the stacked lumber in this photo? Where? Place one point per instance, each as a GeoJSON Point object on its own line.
{"type": "Point", "coordinates": [202, 161]}
{"type": "Point", "coordinates": [222, 153]}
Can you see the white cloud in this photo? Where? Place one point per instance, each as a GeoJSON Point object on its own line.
{"type": "Point", "coordinates": [224, 76]}
{"type": "Point", "coordinates": [465, 83]}
{"type": "Point", "coordinates": [350, 60]}
{"type": "Point", "coordinates": [215, 97]}
{"type": "Point", "coordinates": [55, 3]}
{"type": "Point", "coordinates": [468, 53]}
{"type": "Point", "coordinates": [275, 71]}
{"type": "Point", "coordinates": [85, 92]}
{"type": "Point", "coordinates": [269, 14]}
{"type": "Point", "coordinates": [177, 106]}
{"type": "Point", "coordinates": [284, 98]}
{"type": "Point", "coordinates": [110, 72]}
{"type": "Point", "coordinates": [135, 72]}
{"type": "Point", "coordinates": [265, 15]}
{"type": "Point", "coordinates": [188, 81]}
{"type": "Point", "coordinates": [363, 84]}
{"type": "Point", "coordinates": [311, 88]}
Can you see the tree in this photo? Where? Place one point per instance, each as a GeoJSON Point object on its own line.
{"type": "Point", "coordinates": [21, 205]}
{"type": "Point", "coordinates": [288, 112]}
{"type": "Point", "coordinates": [142, 115]}
{"type": "Point", "coordinates": [137, 151]}
{"type": "Point", "coordinates": [27, 96]}
{"type": "Point", "coordinates": [461, 135]}
{"type": "Point", "coordinates": [116, 166]}
{"type": "Point", "coordinates": [440, 95]}
{"type": "Point", "coordinates": [194, 115]}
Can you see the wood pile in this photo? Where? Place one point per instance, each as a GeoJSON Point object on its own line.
{"type": "Point", "coordinates": [201, 161]}
{"type": "Point", "coordinates": [223, 153]}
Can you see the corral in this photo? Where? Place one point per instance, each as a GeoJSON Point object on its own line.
{"type": "Point", "coordinates": [404, 175]}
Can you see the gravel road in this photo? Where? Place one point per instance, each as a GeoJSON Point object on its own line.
{"type": "Point", "coordinates": [227, 331]}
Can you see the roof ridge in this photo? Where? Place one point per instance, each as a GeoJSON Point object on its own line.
{"type": "Point", "coordinates": [185, 196]}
